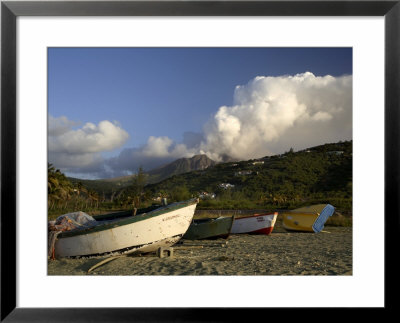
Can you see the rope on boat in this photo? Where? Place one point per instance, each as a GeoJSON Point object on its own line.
{"type": "Point", "coordinates": [51, 244]}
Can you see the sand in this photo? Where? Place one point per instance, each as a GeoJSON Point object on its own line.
{"type": "Point", "coordinates": [280, 253]}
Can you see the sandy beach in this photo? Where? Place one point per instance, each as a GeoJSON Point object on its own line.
{"type": "Point", "coordinates": [280, 253]}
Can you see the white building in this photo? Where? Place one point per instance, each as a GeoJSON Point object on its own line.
{"type": "Point", "coordinates": [226, 185]}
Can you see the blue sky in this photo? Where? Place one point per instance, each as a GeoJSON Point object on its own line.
{"type": "Point", "coordinates": [165, 92]}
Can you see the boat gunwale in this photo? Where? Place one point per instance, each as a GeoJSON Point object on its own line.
{"type": "Point", "coordinates": [127, 220]}
{"type": "Point", "coordinates": [210, 220]}
{"type": "Point", "coordinates": [256, 215]}
{"type": "Point", "coordinates": [300, 213]}
{"type": "Point", "coordinates": [310, 212]}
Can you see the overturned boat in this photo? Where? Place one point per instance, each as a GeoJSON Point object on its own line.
{"type": "Point", "coordinates": [121, 233]}
{"type": "Point", "coordinates": [255, 224]}
{"type": "Point", "coordinates": [307, 219]}
{"type": "Point", "coordinates": [209, 228]}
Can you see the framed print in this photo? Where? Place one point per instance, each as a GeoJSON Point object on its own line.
{"type": "Point", "coordinates": [53, 54]}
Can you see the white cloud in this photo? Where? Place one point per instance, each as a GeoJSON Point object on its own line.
{"type": "Point", "coordinates": [157, 147]}
{"type": "Point", "coordinates": [71, 149]}
{"type": "Point", "coordinates": [60, 125]}
{"type": "Point", "coordinates": [77, 161]}
{"type": "Point", "coordinates": [90, 138]}
{"type": "Point", "coordinates": [322, 116]}
{"type": "Point", "coordinates": [269, 115]}
{"type": "Point", "coordinates": [268, 111]}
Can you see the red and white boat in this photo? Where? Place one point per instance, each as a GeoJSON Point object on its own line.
{"type": "Point", "coordinates": [255, 224]}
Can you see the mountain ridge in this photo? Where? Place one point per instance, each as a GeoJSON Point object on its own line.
{"type": "Point", "coordinates": [179, 166]}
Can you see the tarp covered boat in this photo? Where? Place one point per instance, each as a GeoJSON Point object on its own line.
{"type": "Point", "coordinates": [310, 218]}
{"type": "Point", "coordinates": [209, 228]}
{"type": "Point", "coordinates": [255, 224]}
{"type": "Point", "coordinates": [144, 232]}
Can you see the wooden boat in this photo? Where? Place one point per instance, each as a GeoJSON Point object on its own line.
{"type": "Point", "coordinates": [145, 232]}
{"type": "Point", "coordinates": [255, 224]}
{"type": "Point", "coordinates": [309, 219]}
{"type": "Point", "coordinates": [209, 228]}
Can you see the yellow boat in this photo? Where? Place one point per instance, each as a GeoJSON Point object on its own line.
{"type": "Point", "coordinates": [310, 218]}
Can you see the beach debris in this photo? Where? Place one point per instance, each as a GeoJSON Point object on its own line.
{"type": "Point", "coordinates": [111, 258]}
{"type": "Point", "coordinates": [162, 251]}
{"type": "Point", "coordinates": [225, 258]}
{"type": "Point", "coordinates": [104, 262]}
{"type": "Point", "coordinates": [188, 247]}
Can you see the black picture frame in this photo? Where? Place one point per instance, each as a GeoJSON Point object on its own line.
{"type": "Point", "coordinates": [10, 10]}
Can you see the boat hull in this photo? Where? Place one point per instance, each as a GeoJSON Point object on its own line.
{"type": "Point", "coordinates": [141, 233]}
{"type": "Point", "coordinates": [255, 224]}
{"type": "Point", "coordinates": [307, 219]}
{"type": "Point", "coordinates": [210, 229]}
{"type": "Point", "coordinates": [299, 221]}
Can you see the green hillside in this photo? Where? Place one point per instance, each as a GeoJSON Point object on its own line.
{"type": "Point", "coordinates": [319, 174]}
{"type": "Point", "coordinates": [107, 187]}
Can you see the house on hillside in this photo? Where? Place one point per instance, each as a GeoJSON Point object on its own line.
{"type": "Point", "coordinates": [157, 199]}
{"type": "Point", "coordinates": [226, 185]}
{"type": "Point", "coordinates": [206, 195]}
{"type": "Point", "coordinates": [243, 172]}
